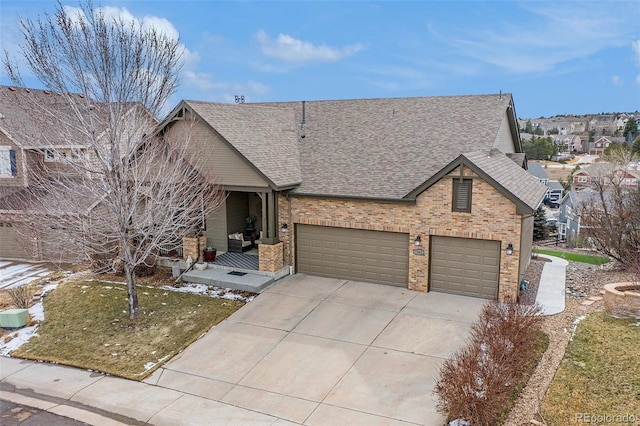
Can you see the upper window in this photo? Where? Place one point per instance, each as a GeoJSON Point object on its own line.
{"type": "Point", "coordinates": [8, 165]}
{"type": "Point", "coordinates": [461, 195]}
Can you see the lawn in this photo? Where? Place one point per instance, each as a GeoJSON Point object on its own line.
{"type": "Point", "coordinates": [575, 257]}
{"type": "Point", "coordinates": [87, 325]}
{"type": "Point", "coordinates": [599, 378]}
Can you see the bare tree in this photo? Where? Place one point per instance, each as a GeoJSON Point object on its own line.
{"type": "Point", "coordinates": [609, 211]}
{"type": "Point", "coordinates": [118, 189]}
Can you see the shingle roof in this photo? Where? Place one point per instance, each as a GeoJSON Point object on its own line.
{"type": "Point", "coordinates": [22, 117]}
{"type": "Point", "coordinates": [385, 148]}
{"type": "Point", "coordinates": [264, 135]}
{"type": "Point", "coordinates": [556, 186]}
{"type": "Point", "coordinates": [537, 170]}
{"type": "Point", "coordinates": [507, 174]}
{"type": "Point", "coordinates": [369, 148]}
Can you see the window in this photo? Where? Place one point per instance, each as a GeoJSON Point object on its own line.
{"type": "Point", "coordinates": [8, 164]}
{"type": "Point", "coordinates": [461, 195]}
{"type": "Point", "coordinates": [49, 155]}
{"type": "Point", "coordinates": [582, 179]}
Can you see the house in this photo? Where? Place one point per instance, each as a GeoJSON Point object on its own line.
{"type": "Point", "coordinates": [598, 146]}
{"type": "Point", "coordinates": [32, 149]}
{"type": "Point", "coordinates": [554, 189]}
{"type": "Point", "coordinates": [405, 192]}
{"type": "Point", "coordinates": [605, 174]}
{"type": "Point", "coordinates": [537, 170]}
{"type": "Point", "coordinates": [569, 225]}
{"type": "Point", "coordinates": [567, 143]}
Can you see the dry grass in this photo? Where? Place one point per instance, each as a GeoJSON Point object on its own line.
{"type": "Point", "coordinates": [87, 325]}
{"type": "Point", "coordinates": [599, 375]}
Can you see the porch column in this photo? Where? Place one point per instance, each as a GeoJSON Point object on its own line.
{"type": "Point", "coordinates": [270, 218]}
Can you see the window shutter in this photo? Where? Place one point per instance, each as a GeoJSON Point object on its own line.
{"type": "Point", "coordinates": [462, 195]}
{"type": "Point", "coordinates": [13, 163]}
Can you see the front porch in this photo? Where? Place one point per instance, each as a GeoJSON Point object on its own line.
{"type": "Point", "coordinates": [238, 271]}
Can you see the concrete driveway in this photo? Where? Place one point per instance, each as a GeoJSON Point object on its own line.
{"type": "Point", "coordinates": [326, 351]}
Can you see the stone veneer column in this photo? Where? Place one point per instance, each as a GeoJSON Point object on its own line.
{"type": "Point", "coordinates": [193, 246]}
{"type": "Point", "coordinates": [271, 257]}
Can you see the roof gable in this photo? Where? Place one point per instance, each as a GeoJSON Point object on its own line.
{"type": "Point", "coordinates": [502, 173]}
{"type": "Point", "coordinates": [262, 136]}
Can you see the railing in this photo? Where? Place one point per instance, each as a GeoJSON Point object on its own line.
{"type": "Point", "coordinates": [171, 250]}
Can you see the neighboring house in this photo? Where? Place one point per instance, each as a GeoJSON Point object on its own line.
{"type": "Point", "coordinates": [569, 216]}
{"type": "Point", "coordinates": [605, 174]}
{"type": "Point", "coordinates": [570, 225]}
{"type": "Point", "coordinates": [598, 146]}
{"type": "Point", "coordinates": [567, 143]}
{"type": "Point", "coordinates": [31, 148]}
{"type": "Point", "coordinates": [405, 192]}
{"type": "Point", "coordinates": [554, 189]}
{"type": "Point", "coordinates": [537, 170]}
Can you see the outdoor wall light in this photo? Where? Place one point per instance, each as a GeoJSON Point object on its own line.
{"type": "Point", "coordinates": [418, 240]}
{"type": "Point", "coordinates": [284, 228]}
{"type": "Point", "coordinates": [509, 250]}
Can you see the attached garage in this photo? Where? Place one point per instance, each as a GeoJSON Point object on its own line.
{"type": "Point", "coordinates": [353, 254]}
{"type": "Point", "coordinates": [14, 244]}
{"type": "Point", "coordinates": [465, 266]}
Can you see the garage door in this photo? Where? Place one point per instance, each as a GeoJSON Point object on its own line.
{"type": "Point", "coordinates": [353, 254]}
{"type": "Point", "coordinates": [13, 243]}
{"type": "Point", "coordinates": [465, 266]}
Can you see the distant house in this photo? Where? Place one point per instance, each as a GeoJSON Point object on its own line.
{"type": "Point", "coordinates": [554, 189]}
{"type": "Point", "coordinates": [569, 225]}
{"type": "Point", "coordinates": [538, 171]}
{"type": "Point", "coordinates": [597, 147]}
{"type": "Point", "coordinates": [605, 174]}
{"type": "Point", "coordinates": [568, 143]}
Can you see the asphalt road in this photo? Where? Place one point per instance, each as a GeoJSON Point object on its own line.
{"type": "Point", "coordinates": [12, 414]}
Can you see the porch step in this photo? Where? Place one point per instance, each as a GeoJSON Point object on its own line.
{"type": "Point", "coordinates": [223, 278]}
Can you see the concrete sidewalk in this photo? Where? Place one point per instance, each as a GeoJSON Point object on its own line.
{"type": "Point", "coordinates": [307, 351]}
{"type": "Point", "coordinates": [551, 290]}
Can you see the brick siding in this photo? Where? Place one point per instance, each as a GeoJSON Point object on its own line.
{"type": "Point", "coordinates": [493, 217]}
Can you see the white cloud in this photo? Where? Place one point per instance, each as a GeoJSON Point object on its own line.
{"type": "Point", "coordinates": [209, 88]}
{"type": "Point", "coordinates": [111, 13]}
{"type": "Point", "coordinates": [395, 78]}
{"type": "Point", "coordinates": [617, 80]}
{"type": "Point", "coordinates": [635, 46]}
{"type": "Point", "coordinates": [294, 51]}
{"type": "Point", "coordinates": [552, 34]}
{"type": "Point", "coordinates": [638, 80]}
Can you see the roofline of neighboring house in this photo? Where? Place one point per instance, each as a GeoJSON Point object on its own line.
{"type": "Point", "coordinates": [183, 104]}
{"type": "Point", "coordinates": [38, 148]}
{"type": "Point", "coordinates": [461, 160]}
{"type": "Point", "coordinates": [513, 125]}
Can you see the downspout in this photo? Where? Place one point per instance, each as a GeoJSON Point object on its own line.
{"type": "Point", "coordinates": [291, 232]}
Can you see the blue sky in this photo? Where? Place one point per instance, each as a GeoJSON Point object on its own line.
{"type": "Point", "coordinates": [555, 57]}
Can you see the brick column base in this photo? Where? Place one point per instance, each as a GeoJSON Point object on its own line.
{"type": "Point", "coordinates": [193, 246]}
{"type": "Point", "coordinates": [271, 257]}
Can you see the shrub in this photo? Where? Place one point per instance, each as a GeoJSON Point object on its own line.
{"type": "Point", "coordinates": [478, 381]}
{"type": "Point", "coordinates": [21, 296]}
